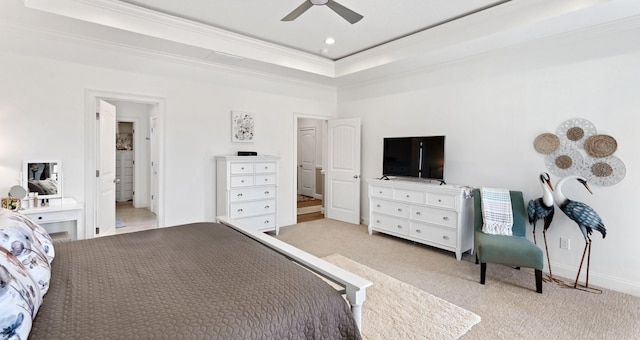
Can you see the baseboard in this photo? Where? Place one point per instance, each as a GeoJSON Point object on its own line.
{"type": "Point", "coordinates": [596, 279]}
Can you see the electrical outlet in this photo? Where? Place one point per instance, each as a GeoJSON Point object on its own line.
{"type": "Point", "coordinates": [565, 243]}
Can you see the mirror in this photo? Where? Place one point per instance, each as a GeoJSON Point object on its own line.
{"type": "Point", "coordinates": [43, 177]}
{"type": "Point", "coordinates": [17, 192]}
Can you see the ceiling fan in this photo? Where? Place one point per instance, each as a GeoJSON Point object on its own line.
{"type": "Point", "coordinates": [349, 15]}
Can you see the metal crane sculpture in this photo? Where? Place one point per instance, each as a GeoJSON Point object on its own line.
{"type": "Point", "coordinates": [586, 218]}
{"type": "Point", "coordinates": [542, 209]}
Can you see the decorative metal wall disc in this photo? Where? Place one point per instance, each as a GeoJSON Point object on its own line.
{"type": "Point", "coordinates": [600, 146]}
{"type": "Point", "coordinates": [576, 131]}
{"type": "Point", "coordinates": [565, 161]}
{"type": "Point", "coordinates": [603, 171]}
{"type": "Point", "coordinates": [546, 143]}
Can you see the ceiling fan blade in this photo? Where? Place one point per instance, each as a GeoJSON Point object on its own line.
{"type": "Point", "coordinates": [349, 15]}
{"type": "Point", "coordinates": [298, 11]}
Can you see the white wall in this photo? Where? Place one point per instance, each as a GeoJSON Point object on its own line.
{"type": "Point", "coordinates": [42, 115]}
{"type": "Point", "coordinates": [492, 107]}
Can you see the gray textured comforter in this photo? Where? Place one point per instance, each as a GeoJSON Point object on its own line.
{"type": "Point", "coordinates": [196, 281]}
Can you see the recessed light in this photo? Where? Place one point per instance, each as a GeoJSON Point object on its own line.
{"type": "Point", "coordinates": [329, 41]}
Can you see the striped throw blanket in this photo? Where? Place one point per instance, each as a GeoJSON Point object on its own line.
{"type": "Point", "coordinates": [496, 211]}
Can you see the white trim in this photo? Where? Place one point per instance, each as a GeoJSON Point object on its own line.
{"type": "Point", "coordinates": [568, 273]}
{"type": "Point", "coordinates": [91, 107]}
{"type": "Point", "coordinates": [140, 20]}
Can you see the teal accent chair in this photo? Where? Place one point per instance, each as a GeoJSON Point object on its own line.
{"type": "Point", "coordinates": [516, 250]}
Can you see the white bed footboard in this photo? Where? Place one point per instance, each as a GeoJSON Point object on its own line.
{"type": "Point", "coordinates": [355, 286]}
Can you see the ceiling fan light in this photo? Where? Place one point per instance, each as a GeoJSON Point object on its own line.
{"type": "Point", "coordinates": [318, 2]}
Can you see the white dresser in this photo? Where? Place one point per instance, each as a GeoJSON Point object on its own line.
{"type": "Point", "coordinates": [55, 219]}
{"type": "Point", "coordinates": [124, 175]}
{"type": "Point", "coordinates": [432, 214]}
{"type": "Point", "coordinates": [247, 188]}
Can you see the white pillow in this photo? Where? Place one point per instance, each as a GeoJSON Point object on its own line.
{"type": "Point", "coordinates": [19, 297]}
{"type": "Point", "coordinates": [41, 234]}
{"type": "Point", "coordinates": [21, 241]}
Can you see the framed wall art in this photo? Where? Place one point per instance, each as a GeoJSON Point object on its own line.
{"type": "Point", "coordinates": [242, 127]}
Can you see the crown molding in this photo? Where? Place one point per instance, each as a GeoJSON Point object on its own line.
{"type": "Point", "coordinates": [140, 20]}
{"type": "Point", "coordinates": [507, 25]}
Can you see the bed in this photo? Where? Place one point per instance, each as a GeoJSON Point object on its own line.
{"type": "Point", "coordinates": [202, 280]}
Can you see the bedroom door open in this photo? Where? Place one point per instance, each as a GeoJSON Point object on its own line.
{"type": "Point", "coordinates": [106, 175]}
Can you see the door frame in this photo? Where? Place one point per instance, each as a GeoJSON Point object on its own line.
{"type": "Point", "coordinates": [91, 147]}
{"type": "Point", "coordinates": [294, 187]}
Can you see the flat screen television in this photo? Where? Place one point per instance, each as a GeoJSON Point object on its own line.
{"type": "Point", "coordinates": [421, 157]}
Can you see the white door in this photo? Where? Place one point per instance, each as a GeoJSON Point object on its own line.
{"type": "Point", "coordinates": [307, 162]}
{"type": "Point", "coordinates": [106, 175]}
{"type": "Point", "coordinates": [343, 170]}
{"type": "Point", "coordinates": [154, 166]}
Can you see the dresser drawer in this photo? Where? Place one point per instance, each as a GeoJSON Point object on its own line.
{"type": "Point", "coordinates": [238, 210]}
{"type": "Point", "coordinates": [265, 167]}
{"type": "Point", "coordinates": [410, 196]}
{"type": "Point", "coordinates": [383, 192]}
{"type": "Point", "coordinates": [247, 194]}
{"type": "Point", "coordinates": [444, 201]}
{"type": "Point", "coordinates": [241, 181]}
{"type": "Point", "coordinates": [265, 179]}
{"type": "Point", "coordinates": [390, 223]}
{"type": "Point", "coordinates": [49, 217]}
{"type": "Point", "coordinates": [433, 234]}
{"type": "Point", "coordinates": [390, 207]}
{"type": "Point", "coordinates": [441, 217]}
{"type": "Point", "coordinates": [241, 168]}
{"type": "Point", "coordinates": [260, 222]}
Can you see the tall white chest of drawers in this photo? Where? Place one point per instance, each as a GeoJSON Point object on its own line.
{"type": "Point", "coordinates": [436, 215]}
{"type": "Point", "coordinates": [247, 188]}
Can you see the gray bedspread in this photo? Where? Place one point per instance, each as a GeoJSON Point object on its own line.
{"type": "Point", "coordinates": [196, 281]}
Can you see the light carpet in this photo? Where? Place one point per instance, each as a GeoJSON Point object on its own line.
{"type": "Point", "coordinates": [397, 310]}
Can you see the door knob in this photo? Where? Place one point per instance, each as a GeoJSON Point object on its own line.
{"type": "Point", "coordinates": [116, 180]}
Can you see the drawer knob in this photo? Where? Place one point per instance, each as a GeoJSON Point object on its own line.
{"type": "Point", "coordinates": [418, 231]}
{"type": "Point", "coordinates": [418, 213]}
{"type": "Point", "coordinates": [266, 222]}
{"type": "Point", "coordinates": [439, 200]}
{"type": "Point", "coordinates": [378, 221]}
{"type": "Point", "coordinates": [379, 192]}
{"type": "Point", "coordinates": [239, 210]}
{"type": "Point", "coordinates": [242, 181]}
{"type": "Point", "coordinates": [408, 196]}
{"type": "Point", "coordinates": [266, 193]}
{"type": "Point", "coordinates": [378, 205]}
{"type": "Point", "coordinates": [266, 180]}
{"type": "Point", "coordinates": [242, 168]}
{"type": "Point", "coordinates": [399, 209]}
{"type": "Point", "coordinates": [39, 217]}
{"type": "Point", "coordinates": [266, 207]}
{"type": "Point", "coordinates": [239, 195]}
{"type": "Point", "coordinates": [445, 218]}
{"type": "Point", "coordinates": [266, 167]}
{"type": "Point", "coordinates": [399, 226]}
{"type": "Point", "coordinates": [445, 237]}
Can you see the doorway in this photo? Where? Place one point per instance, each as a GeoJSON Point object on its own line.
{"type": "Point", "coordinates": [310, 175]}
{"type": "Point", "coordinates": [131, 153]}
{"type": "Point", "coordinates": [144, 116]}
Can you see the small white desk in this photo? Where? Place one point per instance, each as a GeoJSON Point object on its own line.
{"type": "Point", "coordinates": [48, 218]}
